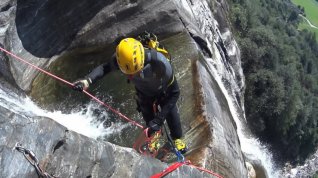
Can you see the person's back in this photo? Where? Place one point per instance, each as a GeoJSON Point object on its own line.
{"type": "Point", "coordinates": [156, 75]}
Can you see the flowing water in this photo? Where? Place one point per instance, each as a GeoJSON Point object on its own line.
{"type": "Point", "coordinates": [85, 122]}
{"type": "Point", "coordinates": [222, 70]}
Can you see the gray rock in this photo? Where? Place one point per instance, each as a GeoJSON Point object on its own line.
{"type": "Point", "coordinates": [64, 153]}
{"type": "Point", "coordinates": [6, 16]}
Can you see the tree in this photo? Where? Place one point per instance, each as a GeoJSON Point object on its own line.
{"type": "Point", "coordinates": [264, 99]}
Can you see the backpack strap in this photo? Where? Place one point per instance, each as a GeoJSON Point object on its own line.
{"type": "Point", "coordinates": [153, 54]}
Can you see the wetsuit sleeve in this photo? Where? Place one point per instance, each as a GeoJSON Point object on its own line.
{"type": "Point", "coordinates": [173, 94]}
{"type": "Point", "coordinates": [103, 69]}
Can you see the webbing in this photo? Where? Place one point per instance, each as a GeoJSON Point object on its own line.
{"type": "Point", "coordinates": [72, 85]}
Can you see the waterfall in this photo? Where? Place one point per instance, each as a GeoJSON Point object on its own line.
{"type": "Point", "coordinates": [221, 68]}
{"type": "Point", "coordinates": [84, 121]}
{"type": "Point", "coordinates": [251, 147]}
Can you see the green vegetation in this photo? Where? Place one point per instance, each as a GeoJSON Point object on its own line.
{"type": "Point", "coordinates": [310, 8]}
{"type": "Point", "coordinates": [280, 64]}
{"type": "Point", "coordinates": [305, 25]}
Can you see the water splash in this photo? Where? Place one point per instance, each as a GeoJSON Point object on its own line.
{"type": "Point", "coordinates": [84, 121]}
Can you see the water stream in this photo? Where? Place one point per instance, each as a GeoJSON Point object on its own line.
{"type": "Point", "coordinates": [222, 71]}
{"type": "Point", "coordinates": [85, 122]}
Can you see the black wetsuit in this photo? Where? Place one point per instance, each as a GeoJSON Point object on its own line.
{"type": "Point", "coordinates": [155, 83]}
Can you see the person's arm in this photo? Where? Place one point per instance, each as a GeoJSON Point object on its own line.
{"type": "Point", "coordinates": [102, 70]}
{"type": "Point", "coordinates": [97, 73]}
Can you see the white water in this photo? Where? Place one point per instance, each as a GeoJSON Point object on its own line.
{"type": "Point", "coordinates": [83, 122]}
{"type": "Point", "coordinates": [251, 147]}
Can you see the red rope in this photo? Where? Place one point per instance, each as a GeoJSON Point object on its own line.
{"type": "Point", "coordinates": [72, 85]}
{"type": "Point", "coordinates": [204, 170]}
{"type": "Point", "coordinates": [170, 169]}
{"type": "Point", "coordinates": [176, 165]}
{"type": "Point", "coordinates": [113, 110]}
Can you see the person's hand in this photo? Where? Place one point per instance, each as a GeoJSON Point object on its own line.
{"type": "Point", "coordinates": [154, 125]}
{"type": "Point", "coordinates": [81, 84]}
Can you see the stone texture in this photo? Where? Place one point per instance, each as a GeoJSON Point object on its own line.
{"type": "Point", "coordinates": [6, 15]}
{"type": "Point", "coordinates": [64, 153]}
{"type": "Point", "coordinates": [223, 155]}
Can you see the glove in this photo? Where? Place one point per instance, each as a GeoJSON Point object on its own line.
{"type": "Point", "coordinates": [154, 125]}
{"type": "Point", "coordinates": [81, 84]}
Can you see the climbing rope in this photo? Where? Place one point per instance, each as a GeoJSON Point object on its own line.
{"type": "Point", "coordinates": [170, 169]}
{"type": "Point", "coordinates": [180, 157]}
{"type": "Point", "coordinates": [30, 156]}
{"type": "Point", "coordinates": [176, 165]}
{"type": "Point", "coordinates": [71, 85]}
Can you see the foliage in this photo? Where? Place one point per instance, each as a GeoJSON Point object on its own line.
{"type": "Point", "coordinates": [281, 68]}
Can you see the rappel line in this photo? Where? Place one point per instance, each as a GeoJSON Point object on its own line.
{"type": "Point", "coordinates": [179, 155]}
{"type": "Point", "coordinates": [176, 165]}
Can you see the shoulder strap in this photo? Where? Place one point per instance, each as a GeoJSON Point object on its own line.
{"type": "Point", "coordinates": [153, 54]}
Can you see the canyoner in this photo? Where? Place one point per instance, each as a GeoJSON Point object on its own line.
{"type": "Point", "coordinates": [147, 65]}
{"type": "Point", "coordinates": [155, 145]}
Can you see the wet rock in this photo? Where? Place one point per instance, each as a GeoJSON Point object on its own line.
{"type": "Point", "coordinates": [308, 169]}
{"type": "Point", "coordinates": [6, 16]}
{"type": "Point", "coordinates": [64, 153]}
{"type": "Point", "coordinates": [251, 170]}
{"type": "Point", "coordinates": [223, 148]}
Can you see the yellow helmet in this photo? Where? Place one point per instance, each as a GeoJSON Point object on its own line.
{"type": "Point", "coordinates": [130, 55]}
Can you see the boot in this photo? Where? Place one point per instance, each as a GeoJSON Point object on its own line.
{"type": "Point", "coordinates": [181, 146]}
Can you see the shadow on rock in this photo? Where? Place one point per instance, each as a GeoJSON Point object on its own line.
{"type": "Point", "coordinates": [46, 28]}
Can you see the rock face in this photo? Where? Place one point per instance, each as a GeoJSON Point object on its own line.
{"type": "Point", "coordinates": [47, 33]}
{"type": "Point", "coordinates": [63, 153]}
{"type": "Point", "coordinates": [310, 168]}
{"type": "Point", "coordinates": [6, 14]}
